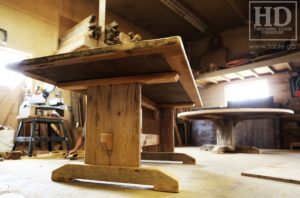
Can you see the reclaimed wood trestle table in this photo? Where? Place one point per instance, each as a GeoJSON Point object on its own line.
{"type": "Point", "coordinates": [118, 80]}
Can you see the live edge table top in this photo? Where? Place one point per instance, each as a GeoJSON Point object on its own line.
{"type": "Point", "coordinates": [121, 62]}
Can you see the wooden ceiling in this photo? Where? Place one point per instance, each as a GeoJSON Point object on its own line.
{"type": "Point", "coordinates": [158, 19]}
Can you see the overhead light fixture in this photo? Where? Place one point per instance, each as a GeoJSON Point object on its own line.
{"type": "Point", "coordinates": [185, 13]}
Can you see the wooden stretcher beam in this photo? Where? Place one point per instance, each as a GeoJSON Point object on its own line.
{"type": "Point", "coordinates": [149, 139]}
{"type": "Point", "coordinates": [149, 104]}
{"type": "Point", "coordinates": [141, 79]}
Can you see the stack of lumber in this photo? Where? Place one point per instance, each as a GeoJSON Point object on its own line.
{"type": "Point", "coordinates": [87, 35]}
{"type": "Point", "coordinates": [84, 35]}
{"type": "Point", "coordinates": [114, 36]}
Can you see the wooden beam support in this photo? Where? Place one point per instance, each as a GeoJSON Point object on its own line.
{"type": "Point", "coordinates": [149, 139]}
{"type": "Point", "coordinates": [177, 105]}
{"type": "Point", "coordinates": [254, 73]}
{"type": "Point", "coordinates": [159, 180]}
{"type": "Point", "coordinates": [79, 29]}
{"type": "Point", "coordinates": [270, 70]}
{"type": "Point", "coordinates": [82, 42]}
{"type": "Point", "coordinates": [225, 78]}
{"type": "Point", "coordinates": [141, 79]}
{"type": "Point", "coordinates": [149, 104]}
{"type": "Point", "coordinates": [212, 81]}
{"type": "Point", "coordinates": [240, 76]}
{"type": "Point", "coordinates": [166, 137]}
{"type": "Point", "coordinates": [168, 156]}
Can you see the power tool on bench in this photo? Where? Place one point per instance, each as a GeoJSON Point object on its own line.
{"type": "Point", "coordinates": [33, 102]}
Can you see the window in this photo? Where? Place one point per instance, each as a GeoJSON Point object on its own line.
{"type": "Point", "coordinates": [247, 91]}
{"type": "Point", "coordinates": [10, 78]}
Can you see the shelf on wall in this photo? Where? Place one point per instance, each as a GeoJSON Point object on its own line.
{"type": "Point", "coordinates": [256, 69]}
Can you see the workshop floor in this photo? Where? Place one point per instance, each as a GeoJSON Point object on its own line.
{"type": "Point", "coordinates": [215, 175]}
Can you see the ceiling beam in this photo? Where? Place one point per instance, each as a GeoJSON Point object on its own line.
{"type": "Point", "coordinates": [237, 10]}
{"type": "Point", "coordinates": [186, 14]}
{"type": "Point", "coordinates": [253, 73]}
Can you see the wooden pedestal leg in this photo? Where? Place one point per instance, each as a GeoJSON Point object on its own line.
{"type": "Point", "coordinates": [166, 144]}
{"type": "Point", "coordinates": [112, 144]}
{"type": "Point", "coordinates": [226, 141]}
{"type": "Point", "coordinates": [224, 136]}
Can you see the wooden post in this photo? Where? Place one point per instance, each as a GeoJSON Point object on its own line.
{"type": "Point", "coordinates": [224, 136]}
{"type": "Point", "coordinates": [166, 130]}
{"type": "Point", "coordinates": [224, 133]}
{"type": "Point", "coordinates": [112, 143]}
{"type": "Point", "coordinates": [101, 18]}
{"type": "Point", "coordinates": [114, 109]}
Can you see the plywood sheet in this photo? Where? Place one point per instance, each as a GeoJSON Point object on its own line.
{"type": "Point", "coordinates": [288, 172]}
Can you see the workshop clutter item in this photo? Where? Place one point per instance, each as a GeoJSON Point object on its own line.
{"type": "Point", "coordinates": [6, 138]}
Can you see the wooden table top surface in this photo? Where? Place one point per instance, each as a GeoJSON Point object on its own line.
{"type": "Point", "coordinates": [124, 60]}
{"type": "Point", "coordinates": [239, 113]}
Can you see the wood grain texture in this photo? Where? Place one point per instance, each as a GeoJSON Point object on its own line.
{"type": "Point", "coordinates": [80, 27]}
{"type": "Point", "coordinates": [159, 180]}
{"type": "Point", "coordinates": [81, 42]}
{"type": "Point", "coordinates": [149, 139]}
{"type": "Point", "coordinates": [178, 61]}
{"type": "Point", "coordinates": [114, 109]}
{"type": "Point", "coordinates": [158, 78]}
{"type": "Point", "coordinates": [166, 130]}
{"type": "Point", "coordinates": [134, 58]}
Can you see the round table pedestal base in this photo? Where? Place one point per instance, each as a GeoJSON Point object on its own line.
{"type": "Point", "coordinates": [235, 149]}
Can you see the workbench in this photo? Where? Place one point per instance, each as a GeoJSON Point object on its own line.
{"type": "Point", "coordinates": [227, 118]}
{"type": "Point", "coordinates": [118, 79]}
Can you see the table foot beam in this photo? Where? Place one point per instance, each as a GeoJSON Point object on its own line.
{"type": "Point", "coordinates": [235, 149]}
{"type": "Point", "coordinates": [168, 156]}
{"type": "Point", "coordinates": [145, 176]}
